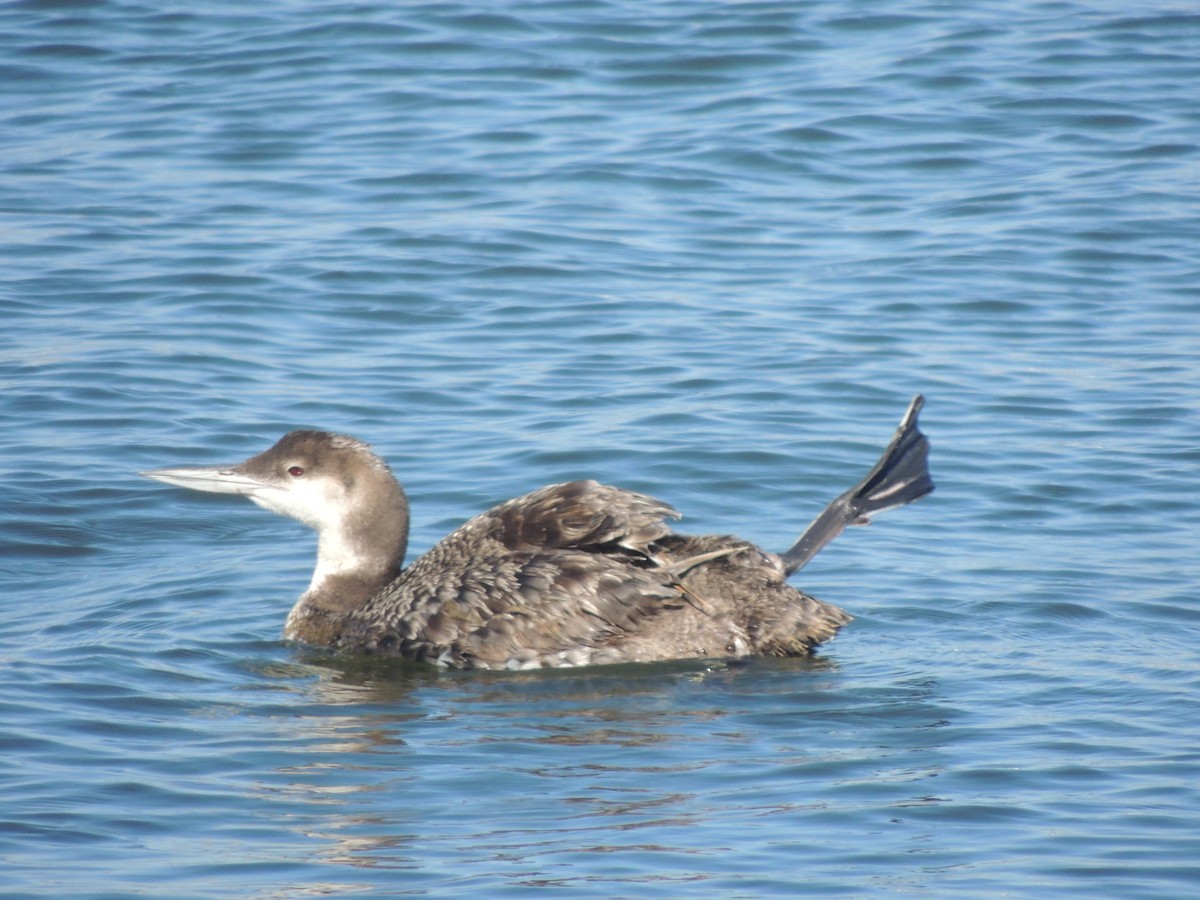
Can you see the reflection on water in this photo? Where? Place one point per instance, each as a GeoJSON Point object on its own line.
{"type": "Point", "coordinates": [388, 759]}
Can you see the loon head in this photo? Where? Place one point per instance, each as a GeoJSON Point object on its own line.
{"type": "Point", "coordinates": [332, 483]}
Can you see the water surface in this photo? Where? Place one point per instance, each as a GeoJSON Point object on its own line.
{"type": "Point", "coordinates": [707, 251]}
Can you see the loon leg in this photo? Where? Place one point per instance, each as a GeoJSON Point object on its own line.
{"type": "Point", "coordinates": [901, 476]}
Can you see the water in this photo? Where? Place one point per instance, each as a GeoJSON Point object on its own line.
{"type": "Point", "coordinates": [707, 251]}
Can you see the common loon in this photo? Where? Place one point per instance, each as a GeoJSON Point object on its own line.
{"type": "Point", "coordinates": [572, 574]}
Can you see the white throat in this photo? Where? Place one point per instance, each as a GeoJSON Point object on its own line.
{"type": "Point", "coordinates": [337, 555]}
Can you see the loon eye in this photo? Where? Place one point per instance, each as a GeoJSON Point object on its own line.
{"type": "Point", "coordinates": [295, 471]}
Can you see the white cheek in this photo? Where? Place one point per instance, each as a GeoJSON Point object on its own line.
{"type": "Point", "coordinates": [316, 503]}
{"type": "Point", "coordinates": [320, 504]}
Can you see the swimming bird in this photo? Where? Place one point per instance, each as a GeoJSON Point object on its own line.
{"type": "Point", "coordinates": [572, 574]}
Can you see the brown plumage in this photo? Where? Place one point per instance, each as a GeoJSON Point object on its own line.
{"type": "Point", "coordinates": [572, 574]}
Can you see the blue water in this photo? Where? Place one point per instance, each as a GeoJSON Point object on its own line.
{"type": "Point", "coordinates": [706, 251]}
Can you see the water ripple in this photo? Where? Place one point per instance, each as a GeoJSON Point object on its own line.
{"type": "Point", "coordinates": [708, 253]}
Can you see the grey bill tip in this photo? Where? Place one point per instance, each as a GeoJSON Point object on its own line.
{"type": "Point", "coordinates": [900, 477]}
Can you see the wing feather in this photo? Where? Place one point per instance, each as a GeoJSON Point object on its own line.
{"type": "Point", "coordinates": [562, 569]}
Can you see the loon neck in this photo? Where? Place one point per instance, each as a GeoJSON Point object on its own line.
{"type": "Point", "coordinates": [345, 576]}
{"type": "Point", "coordinates": [358, 555]}
{"type": "Point", "coordinates": [338, 588]}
